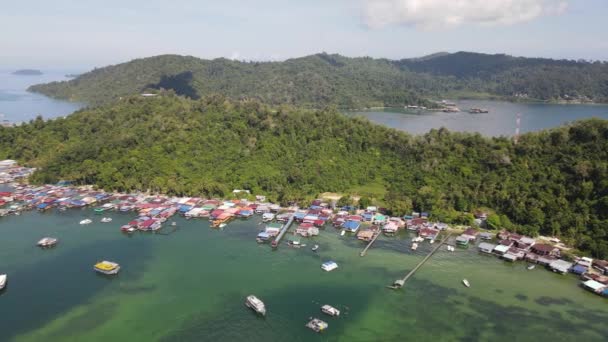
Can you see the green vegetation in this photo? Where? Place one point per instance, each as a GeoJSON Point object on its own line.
{"type": "Point", "coordinates": [553, 182]}
{"type": "Point", "coordinates": [320, 80]}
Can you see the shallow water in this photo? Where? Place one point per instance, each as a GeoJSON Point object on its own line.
{"type": "Point", "coordinates": [190, 284]}
{"type": "Point", "coordinates": [499, 121]}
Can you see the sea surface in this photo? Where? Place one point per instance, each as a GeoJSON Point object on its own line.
{"type": "Point", "coordinates": [18, 105]}
{"type": "Point", "coordinates": [189, 284]}
{"type": "Point", "coordinates": [501, 120]}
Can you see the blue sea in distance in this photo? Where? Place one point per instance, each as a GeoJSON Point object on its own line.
{"type": "Point", "coordinates": [18, 105]}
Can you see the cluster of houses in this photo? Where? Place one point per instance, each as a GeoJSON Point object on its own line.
{"type": "Point", "coordinates": [513, 247]}
{"type": "Point", "coordinates": [11, 172]}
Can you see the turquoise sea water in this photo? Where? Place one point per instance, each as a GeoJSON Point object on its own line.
{"type": "Point", "coordinates": [189, 284]}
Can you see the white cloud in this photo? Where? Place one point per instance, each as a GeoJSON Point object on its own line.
{"type": "Point", "coordinates": [434, 14]}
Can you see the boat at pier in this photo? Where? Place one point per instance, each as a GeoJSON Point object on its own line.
{"type": "Point", "coordinates": [317, 325]}
{"type": "Point", "coordinates": [531, 267]}
{"type": "Point", "coordinates": [47, 242]}
{"type": "Point", "coordinates": [107, 267]}
{"type": "Point", "coordinates": [256, 305]}
{"type": "Point", "coordinates": [330, 310]}
{"type": "Point", "coordinates": [414, 246]}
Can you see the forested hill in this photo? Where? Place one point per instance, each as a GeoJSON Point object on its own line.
{"type": "Point", "coordinates": [319, 80]}
{"type": "Point", "coordinates": [552, 182]}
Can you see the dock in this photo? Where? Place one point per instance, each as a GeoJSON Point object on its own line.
{"type": "Point", "coordinates": [284, 230]}
{"type": "Point", "coordinates": [401, 282]}
{"type": "Point", "coordinates": [364, 251]}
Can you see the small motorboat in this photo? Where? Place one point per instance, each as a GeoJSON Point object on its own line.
{"type": "Point", "coordinates": [531, 267]}
{"type": "Point", "coordinates": [450, 248]}
{"type": "Point", "coordinates": [330, 310]}
{"type": "Point", "coordinates": [127, 229]}
{"type": "Point", "coordinates": [315, 247]}
{"type": "Point", "coordinates": [47, 242]}
{"type": "Point", "coordinates": [256, 305]}
{"type": "Point", "coordinates": [466, 283]}
{"type": "Point", "coordinates": [222, 225]}
{"type": "Point", "coordinates": [106, 219]}
{"type": "Point", "coordinates": [107, 267]}
{"type": "Point", "coordinates": [317, 325]}
{"type": "Point", "coordinates": [3, 279]}
{"type": "Point", "coordinates": [343, 232]}
{"type": "Point", "coordinates": [414, 246]}
{"type": "Point", "coordinates": [86, 221]}
{"type": "Point", "coordinates": [173, 224]}
{"type": "Point", "coordinates": [329, 266]}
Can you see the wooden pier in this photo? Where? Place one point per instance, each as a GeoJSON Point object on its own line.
{"type": "Point", "coordinates": [285, 228]}
{"type": "Point", "coordinates": [401, 282]}
{"type": "Point", "coordinates": [364, 251]}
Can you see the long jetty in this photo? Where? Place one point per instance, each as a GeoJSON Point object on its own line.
{"type": "Point", "coordinates": [401, 282]}
{"type": "Point", "coordinates": [284, 230]}
{"type": "Point", "coordinates": [364, 251]}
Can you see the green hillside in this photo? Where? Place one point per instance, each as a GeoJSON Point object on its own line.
{"type": "Point", "coordinates": [552, 182]}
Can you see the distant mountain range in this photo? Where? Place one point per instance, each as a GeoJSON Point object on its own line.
{"type": "Point", "coordinates": [329, 79]}
{"type": "Point", "coordinates": [27, 72]}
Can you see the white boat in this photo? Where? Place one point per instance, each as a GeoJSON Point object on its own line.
{"type": "Point", "coordinates": [173, 224]}
{"type": "Point", "coordinates": [47, 242]}
{"type": "Point", "coordinates": [450, 248]}
{"type": "Point", "coordinates": [466, 283]}
{"type": "Point", "coordinates": [3, 279]}
{"type": "Point", "coordinates": [106, 219]}
{"type": "Point", "coordinates": [330, 310]}
{"type": "Point", "coordinates": [315, 247]}
{"type": "Point", "coordinates": [531, 267]}
{"type": "Point", "coordinates": [222, 225]}
{"type": "Point", "coordinates": [343, 232]}
{"type": "Point", "coordinates": [255, 304]}
{"type": "Point", "coordinates": [417, 239]}
{"type": "Point", "coordinates": [329, 266]}
{"type": "Point", "coordinates": [86, 221]}
{"type": "Point", "coordinates": [414, 246]}
{"type": "Point", "coordinates": [432, 241]}
{"type": "Point", "coordinates": [317, 325]}
{"type": "Point", "coordinates": [107, 267]}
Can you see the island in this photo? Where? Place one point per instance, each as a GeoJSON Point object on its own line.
{"type": "Point", "coordinates": [27, 72]}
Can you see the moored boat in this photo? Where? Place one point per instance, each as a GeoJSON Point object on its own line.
{"type": "Point", "coordinates": [317, 325]}
{"type": "Point", "coordinates": [86, 221]}
{"type": "Point", "coordinates": [47, 242]}
{"type": "Point", "coordinates": [414, 246]}
{"type": "Point", "coordinates": [256, 305]}
{"type": "Point", "coordinates": [330, 310]}
{"type": "Point", "coordinates": [531, 267]}
{"type": "Point", "coordinates": [107, 267]}
{"type": "Point", "coordinates": [329, 266]}
{"type": "Point", "coordinates": [315, 247]}
{"type": "Point", "coordinates": [106, 219]}
{"type": "Point", "coordinates": [466, 283]}
{"type": "Point", "coordinates": [3, 279]}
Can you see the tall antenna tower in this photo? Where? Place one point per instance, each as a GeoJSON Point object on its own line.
{"type": "Point", "coordinates": [517, 127]}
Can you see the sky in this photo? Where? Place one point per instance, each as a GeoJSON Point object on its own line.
{"type": "Point", "coordinates": [82, 34]}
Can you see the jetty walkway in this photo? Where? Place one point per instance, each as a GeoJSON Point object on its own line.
{"type": "Point", "coordinates": [284, 230]}
{"type": "Point", "coordinates": [370, 243]}
{"type": "Point", "coordinates": [401, 282]}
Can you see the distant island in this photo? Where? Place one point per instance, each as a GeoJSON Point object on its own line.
{"type": "Point", "coordinates": [28, 72]}
{"type": "Point", "coordinates": [322, 80]}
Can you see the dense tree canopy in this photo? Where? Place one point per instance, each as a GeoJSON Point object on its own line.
{"type": "Point", "coordinates": [319, 80]}
{"type": "Point", "coordinates": [551, 182]}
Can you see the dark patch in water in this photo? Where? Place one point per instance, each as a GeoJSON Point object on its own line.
{"type": "Point", "coordinates": [499, 291]}
{"type": "Point", "coordinates": [89, 320]}
{"type": "Point", "coordinates": [552, 301]}
{"type": "Point", "coordinates": [137, 289]}
{"type": "Point", "coordinates": [522, 297]}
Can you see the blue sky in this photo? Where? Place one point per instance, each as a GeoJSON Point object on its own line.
{"type": "Point", "coordinates": [83, 34]}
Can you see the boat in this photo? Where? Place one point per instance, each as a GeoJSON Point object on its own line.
{"type": "Point", "coordinates": [531, 267]}
{"type": "Point", "coordinates": [315, 247]}
{"type": "Point", "coordinates": [330, 310]}
{"type": "Point", "coordinates": [466, 283]}
{"type": "Point", "coordinates": [86, 221]}
{"type": "Point", "coordinates": [222, 225]}
{"type": "Point", "coordinates": [294, 244]}
{"type": "Point", "coordinates": [274, 244]}
{"type": "Point", "coordinates": [127, 229]}
{"type": "Point", "coordinates": [329, 266]}
{"type": "Point", "coordinates": [47, 242]}
{"type": "Point", "coordinates": [450, 248]}
{"type": "Point", "coordinates": [414, 246]}
{"type": "Point", "coordinates": [317, 325]}
{"type": "Point", "coordinates": [106, 219]}
{"type": "Point", "coordinates": [3, 279]}
{"type": "Point", "coordinates": [343, 232]}
{"type": "Point", "coordinates": [173, 224]}
{"type": "Point", "coordinates": [417, 239]}
{"type": "Point", "coordinates": [256, 305]}
{"type": "Point", "coordinates": [107, 267]}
